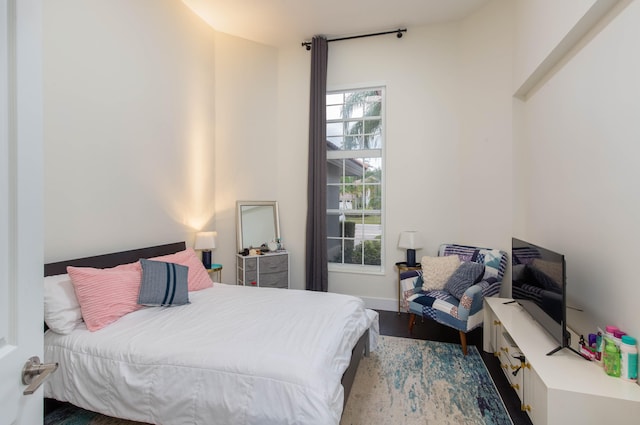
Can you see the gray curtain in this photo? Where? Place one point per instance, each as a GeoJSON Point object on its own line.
{"type": "Point", "coordinates": [317, 273]}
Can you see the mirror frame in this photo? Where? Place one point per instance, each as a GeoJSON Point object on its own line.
{"type": "Point", "coordinates": [240, 205]}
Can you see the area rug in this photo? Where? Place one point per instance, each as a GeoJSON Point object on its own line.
{"type": "Point", "coordinates": [408, 381]}
{"type": "Point", "coordinates": [405, 381]}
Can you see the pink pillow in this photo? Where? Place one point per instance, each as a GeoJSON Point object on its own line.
{"type": "Point", "coordinates": [105, 295]}
{"type": "Point", "coordinates": [198, 277]}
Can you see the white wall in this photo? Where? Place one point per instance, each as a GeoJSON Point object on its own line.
{"type": "Point", "coordinates": [578, 139]}
{"type": "Point", "coordinates": [248, 157]}
{"type": "Point", "coordinates": [448, 138]}
{"type": "Point", "coordinates": [294, 75]}
{"type": "Point", "coordinates": [541, 26]}
{"type": "Point", "coordinates": [129, 110]}
{"type": "Point", "coordinates": [486, 56]}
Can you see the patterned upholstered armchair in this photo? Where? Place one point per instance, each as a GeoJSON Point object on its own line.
{"type": "Point", "coordinates": [458, 304]}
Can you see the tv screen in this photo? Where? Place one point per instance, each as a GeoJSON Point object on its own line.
{"type": "Point", "coordinates": [539, 286]}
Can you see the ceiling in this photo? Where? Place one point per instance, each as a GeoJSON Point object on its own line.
{"type": "Point", "coordinates": [283, 23]}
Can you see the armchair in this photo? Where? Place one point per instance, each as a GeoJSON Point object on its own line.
{"type": "Point", "coordinates": [463, 313]}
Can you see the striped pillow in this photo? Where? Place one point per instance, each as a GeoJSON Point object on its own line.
{"type": "Point", "coordinates": [105, 295]}
{"type": "Point", "coordinates": [163, 284]}
{"type": "Point", "coordinates": [467, 274]}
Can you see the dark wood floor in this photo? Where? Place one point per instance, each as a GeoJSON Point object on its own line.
{"type": "Point", "coordinates": [394, 324]}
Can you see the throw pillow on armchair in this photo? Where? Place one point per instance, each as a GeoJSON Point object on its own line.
{"type": "Point", "coordinates": [436, 271]}
{"type": "Point", "coordinates": [466, 275]}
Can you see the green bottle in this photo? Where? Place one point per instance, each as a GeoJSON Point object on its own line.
{"type": "Point", "coordinates": [611, 358]}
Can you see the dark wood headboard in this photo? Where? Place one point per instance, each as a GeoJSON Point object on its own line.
{"type": "Point", "coordinates": [114, 259]}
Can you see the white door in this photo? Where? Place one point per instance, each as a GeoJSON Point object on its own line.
{"type": "Point", "coordinates": [21, 216]}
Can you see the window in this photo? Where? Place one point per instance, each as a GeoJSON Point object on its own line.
{"type": "Point", "coordinates": [355, 140]}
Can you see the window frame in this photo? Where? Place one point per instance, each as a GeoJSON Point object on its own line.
{"type": "Point", "coordinates": [357, 155]}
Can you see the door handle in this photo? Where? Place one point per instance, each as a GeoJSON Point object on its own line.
{"type": "Point", "coordinates": [34, 373]}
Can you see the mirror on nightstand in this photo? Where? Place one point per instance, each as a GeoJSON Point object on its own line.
{"type": "Point", "coordinates": [257, 223]}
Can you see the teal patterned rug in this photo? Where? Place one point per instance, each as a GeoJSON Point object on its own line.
{"type": "Point", "coordinates": [71, 415]}
{"type": "Point", "coordinates": [405, 381]}
{"type": "Point", "coordinates": [409, 381]}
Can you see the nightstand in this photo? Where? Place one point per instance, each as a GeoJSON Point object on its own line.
{"type": "Point", "coordinates": [216, 268]}
{"type": "Point", "coordinates": [402, 267]}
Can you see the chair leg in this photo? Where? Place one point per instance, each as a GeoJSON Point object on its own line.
{"type": "Point", "coordinates": [463, 341]}
{"type": "Point", "coordinates": [412, 321]}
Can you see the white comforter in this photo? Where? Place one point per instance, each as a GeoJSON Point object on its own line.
{"type": "Point", "coordinates": [235, 355]}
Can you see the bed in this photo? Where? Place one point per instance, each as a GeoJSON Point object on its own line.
{"type": "Point", "coordinates": [232, 355]}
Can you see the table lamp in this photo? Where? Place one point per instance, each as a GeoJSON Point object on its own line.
{"type": "Point", "coordinates": [410, 240]}
{"type": "Point", "coordinates": [205, 241]}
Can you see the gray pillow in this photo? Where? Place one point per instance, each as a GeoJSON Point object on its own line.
{"type": "Point", "coordinates": [467, 274]}
{"type": "Point", "coordinates": [163, 284]}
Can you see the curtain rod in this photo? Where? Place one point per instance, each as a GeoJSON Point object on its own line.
{"type": "Point", "coordinates": [398, 33]}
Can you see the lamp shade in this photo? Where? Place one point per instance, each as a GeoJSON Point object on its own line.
{"type": "Point", "coordinates": [410, 239]}
{"type": "Point", "coordinates": [205, 241]}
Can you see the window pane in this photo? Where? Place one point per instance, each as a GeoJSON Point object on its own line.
{"type": "Point", "coordinates": [372, 126]}
{"type": "Point", "coordinates": [373, 165]}
{"type": "Point", "coordinates": [334, 224]}
{"type": "Point", "coordinates": [373, 197]}
{"type": "Point", "coordinates": [355, 110]}
{"type": "Point", "coordinates": [372, 253]}
{"type": "Point", "coordinates": [335, 143]}
{"type": "Point", "coordinates": [353, 233]}
{"type": "Point", "coordinates": [373, 109]}
{"type": "Point", "coordinates": [373, 142]}
{"type": "Point", "coordinates": [334, 129]}
{"type": "Point", "coordinates": [352, 143]}
{"type": "Point", "coordinates": [334, 251]}
{"type": "Point", "coordinates": [351, 196]}
{"type": "Point", "coordinates": [335, 99]}
{"type": "Point", "coordinates": [353, 127]}
{"type": "Point", "coordinates": [334, 112]}
{"type": "Point", "coordinates": [346, 198]}
{"type": "Point", "coordinates": [333, 195]}
{"type": "Point", "coordinates": [358, 228]}
{"type": "Point", "coordinates": [352, 256]}
{"type": "Point", "coordinates": [372, 225]}
{"type": "Point", "coordinates": [374, 96]}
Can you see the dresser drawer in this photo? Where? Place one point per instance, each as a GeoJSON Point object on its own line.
{"type": "Point", "coordinates": [273, 263]}
{"type": "Point", "coordinates": [274, 280]}
{"type": "Point", "coordinates": [251, 264]}
{"type": "Point", "coordinates": [250, 278]}
{"type": "Point", "coordinates": [510, 362]}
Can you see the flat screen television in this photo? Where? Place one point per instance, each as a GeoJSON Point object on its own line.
{"type": "Point", "coordinates": [539, 286]}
